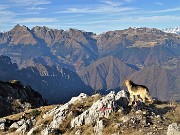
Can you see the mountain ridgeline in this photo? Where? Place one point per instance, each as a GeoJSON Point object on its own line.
{"type": "Point", "coordinates": [61, 64]}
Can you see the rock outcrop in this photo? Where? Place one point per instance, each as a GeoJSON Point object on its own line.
{"type": "Point", "coordinates": [102, 108]}
{"type": "Point", "coordinates": [108, 114]}
{"type": "Point", "coordinates": [15, 98]}
{"type": "Point", "coordinates": [59, 113]}
{"type": "Point", "coordinates": [173, 129]}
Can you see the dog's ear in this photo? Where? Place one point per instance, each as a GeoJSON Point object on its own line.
{"type": "Point", "coordinates": [130, 81]}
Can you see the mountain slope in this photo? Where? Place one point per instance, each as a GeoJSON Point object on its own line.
{"type": "Point", "coordinates": [75, 46]}
{"type": "Point", "coordinates": [139, 46]}
{"type": "Point", "coordinates": [162, 83]}
{"type": "Point", "coordinates": [61, 84]}
{"type": "Point", "coordinates": [106, 73]}
{"type": "Point", "coordinates": [15, 98]}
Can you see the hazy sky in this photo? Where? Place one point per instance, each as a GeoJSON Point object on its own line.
{"type": "Point", "coordinates": [90, 15]}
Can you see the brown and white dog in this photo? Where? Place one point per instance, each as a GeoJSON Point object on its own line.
{"type": "Point", "coordinates": [136, 90]}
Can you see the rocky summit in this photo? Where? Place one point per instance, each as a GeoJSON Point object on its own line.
{"type": "Point", "coordinates": [97, 114]}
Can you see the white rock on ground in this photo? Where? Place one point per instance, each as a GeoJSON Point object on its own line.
{"type": "Point", "coordinates": [99, 127]}
{"type": "Point", "coordinates": [59, 113]}
{"type": "Point", "coordinates": [2, 124]}
{"type": "Point", "coordinates": [27, 125]}
{"type": "Point", "coordinates": [14, 125]}
{"type": "Point", "coordinates": [78, 132]}
{"type": "Point", "coordinates": [21, 122]}
{"type": "Point", "coordinates": [58, 109]}
{"type": "Point", "coordinates": [78, 98]}
{"type": "Point", "coordinates": [50, 131]}
{"type": "Point", "coordinates": [102, 108]}
{"type": "Point", "coordinates": [173, 129]}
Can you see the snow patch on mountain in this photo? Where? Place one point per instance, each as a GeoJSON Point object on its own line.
{"type": "Point", "coordinates": [175, 30]}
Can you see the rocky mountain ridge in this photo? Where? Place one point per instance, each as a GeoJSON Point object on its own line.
{"type": "Point", "coordinates": [77, 49]}
{"type": "Point", "coordinates": [96, 114]}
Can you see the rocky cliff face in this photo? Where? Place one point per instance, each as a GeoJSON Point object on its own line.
{"type": "Point", "coordinates": [15, 98]}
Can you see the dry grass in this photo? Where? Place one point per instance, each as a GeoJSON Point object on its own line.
{"type": "Point", "coordinates": [17, 116]}
{"type": "Point", "coordinates": [86, 103]}
{"type": "Point", "coordinates": [12, 134]}
{"type": "Point", "coordinates": [144, 44]}
{"type": "Point", "coordinates": [66, 124]}
{"type": "Point", "coordinates": [111, 123]}
{"type": "Point", "coordinates": [86, 130]}
{"type": "Point", "coordinates": [174, 114]}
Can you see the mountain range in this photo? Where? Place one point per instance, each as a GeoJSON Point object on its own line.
{"type": "Point", "coordinates": [61, 63]}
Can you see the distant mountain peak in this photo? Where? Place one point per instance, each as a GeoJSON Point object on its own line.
{"type": "Point", "coordinates": [21, 35]}
{"type": "Point", "coordinates": [20, 28]}
{"type": "Point", "coordinates": [175, 30]}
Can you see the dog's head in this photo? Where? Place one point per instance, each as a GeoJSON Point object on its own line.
{"type": "Point", "coordinates": [127, 82]}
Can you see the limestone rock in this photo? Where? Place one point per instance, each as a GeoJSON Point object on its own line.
{"type": "Point", "coordinates": [34, 129]}
{"type": "Point", "coordinates": [60, 116]}
{"type": "Point", "coordinates": [78, 132]}
{"type": "Point", "coordinates": [78, 98]}
{"type": "Point", "coordinates": [14, 125]}
{"type": "Point", "coordinates": [21, 122]}
{"type": "Point", "coordinates": [102, 108]}
{"type": "Point", "coordinates": [173, 129]}
{"type": "Point", "coordinates": [59, 113]}
{"type": "Point", "coordinates": [2, 124]}
{"type": "Point", "coordinates": [99, 127]}
{"type": "Point", "coordinates": [27, 125]}
{"type": "Point", "coordinates": [52, 131]}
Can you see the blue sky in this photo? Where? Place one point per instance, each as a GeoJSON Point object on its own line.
{"type": "Point", "coordinates": [90, 15]}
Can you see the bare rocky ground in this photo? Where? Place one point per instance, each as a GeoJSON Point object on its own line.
{"type": "Point", "coordinates": [97, 114]}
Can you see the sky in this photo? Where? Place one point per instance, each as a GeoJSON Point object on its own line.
{"type": "Point", "coordinates": [96, 16]}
